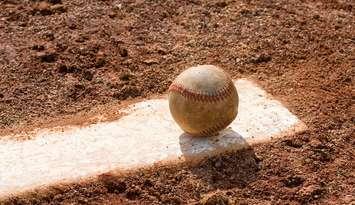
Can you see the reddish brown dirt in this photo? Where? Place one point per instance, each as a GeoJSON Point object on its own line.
{"type": "Point", "coordinates": [59, 58]}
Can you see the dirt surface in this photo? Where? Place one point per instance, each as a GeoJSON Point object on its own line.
{"type": "Point", "coordinates": [60, 57]}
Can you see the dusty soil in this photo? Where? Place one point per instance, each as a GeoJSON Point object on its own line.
{"type": "Point", "coordinates": [60, 57]}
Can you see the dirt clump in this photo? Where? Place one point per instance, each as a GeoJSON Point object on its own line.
{"type": "Point", "coordinates": [217, 198]}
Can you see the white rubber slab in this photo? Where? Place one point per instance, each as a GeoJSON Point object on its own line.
{"type": "Point", "coordinates": [146, 135]}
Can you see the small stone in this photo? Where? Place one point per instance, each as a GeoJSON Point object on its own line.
{"type": "Point", "coordinates": [150, 61]}
{"type": "Point", "coordinates": [59, 8]}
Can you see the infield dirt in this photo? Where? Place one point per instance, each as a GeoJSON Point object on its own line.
{"type": "Point", "coordinates": [62, 62]}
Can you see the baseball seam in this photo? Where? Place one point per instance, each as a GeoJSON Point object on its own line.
{"type": "Point", "coordinates": [194, 95]}
{"type": "Point", "coordinates": [212, 130]}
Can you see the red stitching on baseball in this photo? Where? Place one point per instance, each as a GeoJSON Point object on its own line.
{"type": "Point", "coordinates": [214, 129]}
{"type": "Point", "coordinates": [202, 97]}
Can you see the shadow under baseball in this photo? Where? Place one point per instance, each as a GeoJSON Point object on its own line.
{"type": "Point", "coordinates": [222, 161]}
{"type": "Point", "coordinates": [199, 147]}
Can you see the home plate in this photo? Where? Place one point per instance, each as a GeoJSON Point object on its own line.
{"type": "Point", "coordinates": [145, 135]}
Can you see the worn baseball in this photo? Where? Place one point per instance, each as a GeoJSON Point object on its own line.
{"type": "Point", "coordinates": [203, 100]}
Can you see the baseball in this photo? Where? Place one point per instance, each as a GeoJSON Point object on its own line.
{"type": "Point", "coordinates": [203, 100]}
